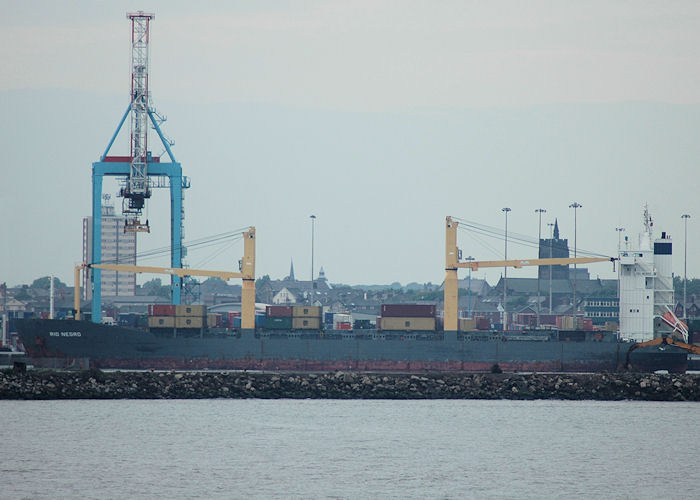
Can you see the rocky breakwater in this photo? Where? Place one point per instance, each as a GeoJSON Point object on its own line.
{"type": "Point", "coordinates": [94, 384]}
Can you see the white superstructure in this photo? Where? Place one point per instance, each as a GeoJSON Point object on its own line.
{"type": "Point", "coordinates": [646, 287]}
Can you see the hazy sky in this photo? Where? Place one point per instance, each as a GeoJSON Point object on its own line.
{"type": "Point", "coordinates": [379, 117]}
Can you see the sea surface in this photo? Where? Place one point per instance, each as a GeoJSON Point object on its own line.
{"type": "Point", "coordinates": [252, 449]}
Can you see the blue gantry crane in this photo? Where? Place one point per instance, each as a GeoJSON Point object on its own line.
{"type": "Point", "coordinates": [140, 171]}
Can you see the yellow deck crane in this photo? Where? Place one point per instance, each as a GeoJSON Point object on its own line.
{"type": "Point", "coordinates": [452, 264]}
{"type": "Point", "coordinates": [246, 273]}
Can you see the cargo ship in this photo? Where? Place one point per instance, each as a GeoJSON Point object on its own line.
{"type": "Point", "coordinates": [290, 339]}
{"type": "Point", "coordinates": [403, 341]}
{"type": "Point", "coordinates": [407, 337]}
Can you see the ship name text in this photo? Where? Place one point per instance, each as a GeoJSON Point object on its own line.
{"type": "Point", "coordinates": [65, 334]}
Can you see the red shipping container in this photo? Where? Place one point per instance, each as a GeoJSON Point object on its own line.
{"type": "Point", "coordinates": [343, 326]}
{"type": "Point", "coordinates": [588, 324]}
{"type": "Point", "coordinates": [161, 310]}
{"type": "Point", "coordinates": [278, 311]}
{"type": "Point", "coordinates": [408, 310]}
{"type": "Point", "coordinates": [229, 319]}
{"type": "Point", "coordinates": [483, 323]}
{"type": "Point", "coordinates": [548, 319]}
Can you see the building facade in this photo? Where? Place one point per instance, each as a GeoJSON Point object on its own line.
{"type": "Point", "coordinates": [602, 310]}
{"type": "Point", "coordinates": [118, 247]}
{"type": "Point", "coordinates": [554, 248]}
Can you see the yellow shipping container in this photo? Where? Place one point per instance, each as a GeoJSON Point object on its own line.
{"type": "Point", "coordinates": [306, 323]}
{"type": "Point", "coordinates": [161, 322]}
{"type": "Point", "coordinates": [427, 324]}
{"type": "Point", "coordinates": [306, 312]}
{"type": "Point", "coordinates": [191, 310]}
{"type": "Point", "coordinates": [569, 323]}
{"type": "Point", "coordinates": [189, 322]}
{"type": "Point", "coordinates": [610, 326]}
{"type": "Point", "coordinates": [467, 324]}
{"type": "Point", "coordinates": [211, 320]}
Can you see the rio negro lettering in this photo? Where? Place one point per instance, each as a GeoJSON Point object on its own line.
{"type": "Point", "coordinates": [65, 334]}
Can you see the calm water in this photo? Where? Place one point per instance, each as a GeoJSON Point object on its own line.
{"type": "Point", "coordinates": [349, 449]}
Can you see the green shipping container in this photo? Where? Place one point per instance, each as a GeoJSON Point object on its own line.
{"type": "Point", "coordinates": [272, 323]}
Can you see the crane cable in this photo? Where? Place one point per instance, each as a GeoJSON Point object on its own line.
{"type": "Point", "coordinates": [230, 237]}
{"type": "Point", "coordinates": [519, 239]}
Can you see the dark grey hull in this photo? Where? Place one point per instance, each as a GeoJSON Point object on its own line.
{"type": "Point", "coordinates": [67, 342]}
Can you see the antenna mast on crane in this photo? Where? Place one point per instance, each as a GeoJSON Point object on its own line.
{"type": "Point", "coordinates": [136, 187]}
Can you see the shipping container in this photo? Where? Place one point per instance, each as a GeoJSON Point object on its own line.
{"type": "Point", "coordinates": [214, 320]}
{"type": "Point", "coordinates": [328, 318]}
{"type": "Point", "coordinates": [191, 311]}
{"type": "Point", "coordinates": [161, 310]}
{"type": "Point", "coordinates": [483, 323]}
{"type": "Point", "coordinates": [161, 321]}
{"type": "Point", "coordinates": [306, 312]}
{"type": "Point", "coordinates": [362, 324]}
{"type": "Point", "coordinates": [259, 320]}
{"type": "Point", "coordinates": [306, 323]}
{"type": "Point", "coordinates": [189, 322]}
{"type": "Point", "coordinates": [236, 322]}
{"type": "Point", "coordinates": [568, 323]}
{"type": "Point", "coordinates": [467, 324]}
{"type": "Point", "coordinates": [342, 318]}
{"type": "Point", "coordinates": [278, 323]}
{"type": "Point", "coordinates": [548, 319]}
{"type": "Point", "coordinates": [610, 326]}
{"type": "Point", "coordinates": [408, 310]}
{"type": "Point", "coordinates": [278, 311]}
{"type": "Point", "coordinates": [342, 325]}
{"type": "Point", "coordinates": [408, 323]}
{"type": "Point", "coordinates": [230, 319]}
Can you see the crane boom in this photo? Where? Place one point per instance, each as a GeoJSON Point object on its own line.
{"type": "Point", "coordinates": [181, 272]}
{"type": "Point", "coordinates": [474, 265]}
{"type": "Point", "coordinates": [246, 273]}
{"type": "Point", "coordinates": [452, 264]}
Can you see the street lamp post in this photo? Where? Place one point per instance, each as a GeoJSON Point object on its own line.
{"type": "Point", "coordinates": [505, 273]}
{"type": "Point", "coordinates": [469, 290]}
{"type": "Point", "coordinates": [551, 239]}
{"type": "Point", "coordinates": [575, 206]}
{"type": "Point", "coordinates": [539, 211]}
{"type": "Point", "coordinates": [685, 218]}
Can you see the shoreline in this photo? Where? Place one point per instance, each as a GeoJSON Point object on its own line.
{"type": "Point", "coordinates": [96, 384]}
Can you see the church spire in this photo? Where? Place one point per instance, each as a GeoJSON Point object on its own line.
{"type": "Point", "coordinates": [556, 229]}
{"type": "Point", "coordinates": [291, 272]}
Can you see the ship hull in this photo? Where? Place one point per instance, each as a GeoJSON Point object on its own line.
{"type": "Point", "coordinates": [80, 344]}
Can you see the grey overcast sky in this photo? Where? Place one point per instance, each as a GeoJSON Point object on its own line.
{"type": "Point", "coordinates": [378, 117]}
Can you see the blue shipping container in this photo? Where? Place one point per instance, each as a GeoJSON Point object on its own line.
{"type": "Point", "coordinates": [259, 321]}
